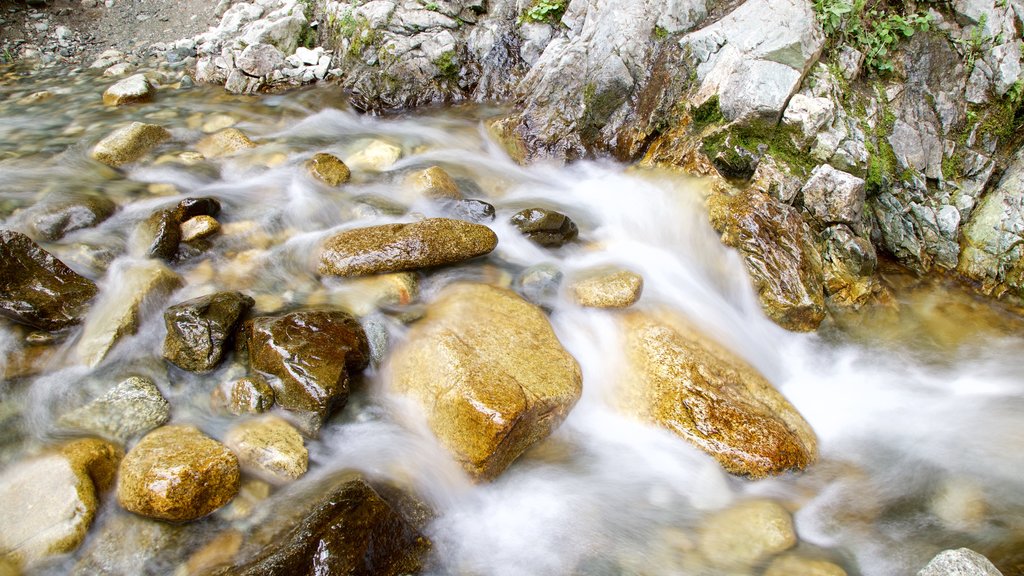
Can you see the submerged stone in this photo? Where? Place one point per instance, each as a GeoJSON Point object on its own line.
{"type": "Point", "coordinates": [311, 355]}
{"type": "Point", "coordinates": [399, 247]}
{"type": "Point", "coordinates": [329, 169]}
{"type": "Point", "coordinates": [685, 382]}
{"type": "Point", "coordinates": [177, 473]}
{"type": "Point", "coordinates": [132, 407]}
{"type": "Point", "coordinates": [129, 143]}
{"type": "Point", "coordinates": [545, 227]}
{"type": "Point", "coordinates": [490, 374]}
{"type": "Point", "coordinates": [270, 447]}
{"type": "Point", "coordinates": [224, 143]}
{"type": "Point", "coordinates": [434, 183]}
{"type": "Point", "coordinates": [961, 562]}
{"type": "Point", "coordinates": [747, 533]}
{"type": "Point", "coordinates": [612, 289]}
{"type": "Point", "coordinates": [200, 330]}
{"type": "Point", "coordinates": [54, 220]}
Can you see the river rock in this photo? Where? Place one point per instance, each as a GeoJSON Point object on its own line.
{"type": "Point", "coordinates": [48, 502]}
{"type": "Point", "coordinates": [961, 562]}
{"type": "Point", "coordinates": [311, 354]}
{"type": "Point", "coordinates": [132, 407]}
{"type": "Point", "coordinates": [247, 395]}
{"type": "Point", "coordinates": [614, 289]}
{"type": "Point", "coordinates": [116, 313]}
{"type": "Point", "coordinates": [200, 330]}
{"type": "Point", "coordinates": [351, 527]}
{"type": "Point", "coordinates": [794, 565]}
{"type": "Point", "coordinates": [329, 169]}
{"type": "Point", "coordinates": [161, 234]}
{"type": "Point", "coordinates": [194, 207]}
{"type": "Point", "coordinates": [834, 197]}
{"type": "Point", "coordinates": [779, 253]}
{"type": "Point", "coordinates": [689, 384]}
{"type": "Point", "coordinates": [135, 88]}
{"type": "Point", "coordinates": [399, 247]}
{"type": "Point", "coordinates": [469, 209]}
{"type": "Point", "coordinates": [54, 220]}
{"type": "Point", "coordinates": [224, 143]}
{"type": "Point", "coordinates": [377, 156]}
{"type": "Point", "coordinates": [199, 228]}
{"type": "Point", "coordinates": [37, 289]}
{"type": "Point", "coordinates": [114, 547]}
{"type": "Point", "coordinates": [259, 60]}
{"type": "Point", "coordinates": [746, 534]}
{"type": "Point", "coordinates": [539, 284]}
{"type": "Point", "coordinates": [177, 473]}
{"type": "Point", "coordinates": [545, 227]}
{"type": "Point", "coordinates": [434, 183]}
{"type": "Point", "coordinates": [129, 143]}
{"type": "Point", "coordinates": [270, 447]}
{"type": "Point", "coordinates": [490, 373]}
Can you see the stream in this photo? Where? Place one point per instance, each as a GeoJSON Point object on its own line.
{"type": "Point", "coordinates": [916, 403]}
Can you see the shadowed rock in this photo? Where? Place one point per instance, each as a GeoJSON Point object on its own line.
{"type": "Point", "coordinates": [199, 330]}
{"type": "Point", "coordinates": [545, 227]}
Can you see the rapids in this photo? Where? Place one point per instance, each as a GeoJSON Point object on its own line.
{"type": "Point", "coordinates": [917, 408]}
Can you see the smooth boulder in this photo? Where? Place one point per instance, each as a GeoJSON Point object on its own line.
{"type": "Point", "coordinates": [177, 473]}
{"type": "Point", "coordinates": [685, 382]}
{"type": "Point", "coordinates": [49, 501]}
{"type": "Point", "coordinates": [311, 355]}
{"type": "Point", "coordinates": [328, 169]}
{"type": "Point", "coordinates": [37, 289]}
{"type": "Point", "coordinates": [132, 407]}
{"type": "Point", "coordinates": [545, 227]}
{"type": "Point", "coordinates": [224, 143]}
{"type": "Point", "coordinates": [54, 220]}
{"type": "Point", "coordinates": [489, 372]}
{"type": "Point", "coordinates": [746, 534]}
{"type": "Point", "coordinates": [200, 330]}
{"type": "Point", "coordinates": [270, 447]}
{"type": "Point", "coordinates": [399, 247]}
{"type": "Point", "coordinates": [434, 183]}
{"type": "Point", "coordinates": [135, 88]}
{"type": "Point", "coordinates": [129, 143]}
{"type": "Point", "coordinates": [960, 562]}
{"type": "Point", "coordinates": [611, 289]}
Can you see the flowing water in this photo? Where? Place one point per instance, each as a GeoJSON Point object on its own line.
{"type": "Point", "coordinates": [917, 404]}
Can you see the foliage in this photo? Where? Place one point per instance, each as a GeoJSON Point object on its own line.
{"type": "Point", "coordinates": [447, 66]}
{"type": "Point", "coordinates": [874, 30]}
{"type": "Point", "coordinates": [549, 11]}
{"type": "Point", "coordinates": [432, 6]}
{"type": "Point", "coordinates": [976, 42]}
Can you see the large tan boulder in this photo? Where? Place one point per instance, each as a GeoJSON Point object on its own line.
{"type": "Point", "coordinates": [490, 373]}
{"type": "Point", "coordinates": [129, 143]}
{"type": "Point", "coordinates": [682, 380]}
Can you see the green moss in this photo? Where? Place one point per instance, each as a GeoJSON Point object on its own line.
{"type": "Point", "coordinates": [660, 33]}
{"type": "Point", "coordinates": [776, 141]}
{"type": "Point", "coordinates": [707, 114]}
{"type": "Point", "coordinates": [1005, 118]}
{"type": "Point", "coordinates": [447, 66]}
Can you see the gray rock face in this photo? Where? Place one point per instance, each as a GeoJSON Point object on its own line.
{"type": "Point", "coordinates": [834, 197]}
{"type": "Point", "coordinates": [129, 409]}
{"type": "Point", "coordinates": [961, 562]}
{"type": "Point", "coordinates": [992, 247]}
{"type": "Point", "coordinates": [915, 230]}
{"type": "Point", "coordinates": [52, 221]}
{"type": "Point", "coordinates": [199, 330]}
{"type": "Point", "coordinates": [259, 60]}
{"type": "Point", "coordinates": [37, 289]}
{"type": "Point", "coordinates": [755, 58]}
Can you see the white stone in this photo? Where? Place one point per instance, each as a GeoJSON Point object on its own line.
{"type": "Point", "coordinates": [962, 562]}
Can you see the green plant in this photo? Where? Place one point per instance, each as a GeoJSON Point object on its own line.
{"type": "Point", "coordinates": [660, 33]}
{"type": "Point", "coordinates": [975, 43]}
{"type": "Point", "coordinates": [432, 6]}
{"type": "Point", "coordinates": [545, 11]}
{"type": "Point", "coordinates": [874, 30]}
{"type": "Point", "coordinates": [7, 57]}
{"type": "Point", "coordinates": [447, 66]}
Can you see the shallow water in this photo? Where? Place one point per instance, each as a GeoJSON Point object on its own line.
{"type": "Point", "coordinates": [916, 404]}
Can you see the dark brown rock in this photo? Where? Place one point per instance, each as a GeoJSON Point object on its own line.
{"type": "Point", "coordinates": [200, 330]}
{"type": "Point", "coordinates": [52, 221]}
{"type": "Point", "coordinates": [203, 206]}
{"type": "Point", "coordinates": [352, 529]}
{"type": "Point", "coordinates": [400, 247]}
{"type": "Point", "coordinates": [545, 227]}
{"type": "Point", "coordinates": [162, 233]}
{"type": "Point", "coordinates": [311, 354]}
{"type": "Point", "coordinates": [37, 289]}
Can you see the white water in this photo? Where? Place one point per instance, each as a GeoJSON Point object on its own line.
{"type": "Point", "coordinates": [604, 495]}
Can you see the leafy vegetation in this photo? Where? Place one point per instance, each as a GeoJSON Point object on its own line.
{"type": "Point", "coordinates": [873, 29]}
{"type": "Point", "coordinates": [549, 11]}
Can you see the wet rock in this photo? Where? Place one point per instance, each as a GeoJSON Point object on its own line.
{"type": "Point", "coordinates": [469, 209]}
{"type": "Point", "coordinates": [48, 502]}
{"type": "Point", "coordinates": [194, 207]}
{"type": "Point", "coordinates": [917, 227]}
{"type": "Point", "coordinates": [116, 313]}
{"type": "Point", "coordinates": [37, 289]}
{"type": "Point", "coordinates": [248, 395]}
{"type": "Point", "coordinates": [377, 156]}
{"type": "Point", "coordinates": [54, 220]}
{"type": "Point", "coordinates": [834, 197]}
{"type": "Point", "coordinates": [270, 447]}
{"type": "Point", "coordinates": [792, 565]}
{"type": "Point", "coordinates": [259, 60]}
{"type": "Point", "coordinates": [734, 161]}
{"type": "Point", "coordinates": [490, 373]}
{"type": "Point", "coordinates": [434, 183]}
{"type": "Point", "coordinates": [747, 533]}
{"type": "Point", "coordinates": [779, 255]}
{"type": "Point", "coordinates": [689, 384]}
{"type": "Point", "coordinates": [200, 330]}
{"type": "Point", "coordinates": [848, 265]}
{"type": "Point", "coordinates": [224, 143]}
{"type": "Point", "coordinates": [545, 227]}
{"type": "Point", "coordinates": [114, 547]}
{"type": "Point", "coordinates": [351, 528]}
{"type": "Point", "coordinates": [398, 247]}
{"type": "Point", "coordinates": [199, 228]}
{"type": "Point", "coordinates": [961, 562]}
{"type": "Point", "coordinates": [612, 289]}
{"type": "Point", "coordinates": [161, 234]}
{"type": "Point", "coordinates": [755, 57]}
{"type": "Point", "coordinates": [132, 89]}
{"type": "Point", "coordinates": [329, 169]}
{"type": "Point", "coordinates": [364, 296]}
{"type": "Point", "coordinates": [129, 143]}
{"type": "Point", "coordinates": [132, 407]}
{"type": "Point", "coordinates": [539, 284]}
{"type": "Point", "coordinates": [311, 354]}
{"type": "Point", "coordinates": [177, 473]}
